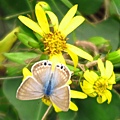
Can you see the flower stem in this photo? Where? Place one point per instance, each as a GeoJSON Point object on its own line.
{"type": "Point", "coordinates": [44, 116]}
{"type": "Point", "coordinates": [82, 66]}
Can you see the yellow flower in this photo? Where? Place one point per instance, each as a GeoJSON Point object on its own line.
{"type": "Point", "coordinates": [73, 94]}
{"type": "Point", "coordinates": [54, 34]}
{"type": "Point", "coordinates": [99, 85]}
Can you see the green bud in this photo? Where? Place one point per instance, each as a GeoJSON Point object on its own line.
{"type": "Point", "coordinates": [98, 40]}
{"type": "Point", "coordinates": [114, 57]}
{"type": "Point", "coordinates": [7, 42]}
{"type": "Point", "coordinates": [28, 41]}
{"type": "Point", "coordinates": [38, 36]}
{"type": "Point", "coordinates": [72, 68]}
{"type": "Point", "coordinates": [44, 5]}
{"type": "Point", "coordinates": [102, 44]}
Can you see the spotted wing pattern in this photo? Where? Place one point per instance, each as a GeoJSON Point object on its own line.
{"type": "Point", "coordinates": [42, 71]}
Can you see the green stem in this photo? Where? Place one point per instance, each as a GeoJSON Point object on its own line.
{"type": "Point", "coordinates": [31, 9]}
{"type": "Point", "coordinates": [39, 111]}
{"type": "Point", "coordinates": [54, 3]}
{"type": "Point", "coordinates": [44, 116]}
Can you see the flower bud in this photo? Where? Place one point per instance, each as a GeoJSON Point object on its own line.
{"type": "Point", "coordinates": [28, 41]}
{"type": "Point", "coordinates": [44, 5]}
{"type": "Point", "coordinates": [114, 57]}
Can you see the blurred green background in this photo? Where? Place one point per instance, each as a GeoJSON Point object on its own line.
{"type": "Point", "coordinates": [102, 20]}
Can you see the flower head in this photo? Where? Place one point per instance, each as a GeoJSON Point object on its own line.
{"type": "Point", "coordinates": [99, 85]}
{"type": "Point", "coordinates": [54, 34]}
{"type": "Point", "coordinates": [73, 94]}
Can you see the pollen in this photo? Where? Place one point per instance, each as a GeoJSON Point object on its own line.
{"type": "Point", "coordinates": [54, 43]}
{"type": "Point", "coordinates": [100, 86]}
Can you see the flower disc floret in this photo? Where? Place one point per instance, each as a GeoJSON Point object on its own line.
{"type": "Point", "coordinates": [99, 85]}
{"type": "Point", "coordinates": [54, 35]}
{"type": "Point", "coordinates": [54, 43]}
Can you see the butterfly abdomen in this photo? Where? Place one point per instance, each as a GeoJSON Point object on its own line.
{"type": "Point", "coordinates": [48, 89]}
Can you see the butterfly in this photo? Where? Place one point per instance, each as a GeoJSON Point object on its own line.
{"type": "Point", "coordinates": [48, 83]}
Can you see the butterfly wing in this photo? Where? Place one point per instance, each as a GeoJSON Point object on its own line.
{"type": "Point", "coordinates": [29, 89]}
{"type": "Point", "coordinates": [61, 97]}
{"type": "Point", "coordinates": [42, 71]}
{"type": "Point", "coordinates": [61, 75]}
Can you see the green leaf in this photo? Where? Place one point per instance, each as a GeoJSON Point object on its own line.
{"type": "Point", "coordinates": [7, 112]}
{"type": "Point", "coordinates": [11, 9]}
{"type": "Point", "coordinates": [27, 110]}
{"type": "Point", "coordinates": [20, 57]}
{"type": "Point", "coordinates": [88, 7]}
{"type": "Point", "coordinates": [115, 7]}
{"type": "Point", "coordinates": [108, 29]}
{"type": "Point", "coordinates": [89, 109]}
{"type": "Point", "coordinates": [98, 40]}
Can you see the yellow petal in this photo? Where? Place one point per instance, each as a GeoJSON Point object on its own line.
{"type": "Point", "coordinates": [73, 24]}
{"type": "Point", "coordinates": [88, 91]}
{"type": "Point", "coordinates": [26, 73]}
{"type": "Point", "coordinates": [76, 94]}
{"type": "Point", "coordinates": [111, 80]}
{"type": "Point", "coordinates": [109, 87]}
{"type": "Point", "coordinates": [73, 56]}
{"type": "Point", "coordinates": [108, 96]}
{"type": "Point", "coordinates": [101, 99]}
{"type": "Point", "coordinates": [67, 18]}
{"type": "Point", "coordinates": [61, 58]}
{"type": "Point", "coordinates": [73, 106]}
{"type": "Point", "coordinates": [90, 76]}
{"type": "Point", "coordinates": [101, 67]}
{"type": "Point", "coordinates": [46, 101]}
{"type": "Point", "coordinates": [41, 18]}
{"type": "Point", "coordinates": [54, 20]}
{"type": "Point", "coordinates": [55, 59]}
{"type": "Point", "coordinates": [87, 87]}
{"type": "Point", "coordinates": [94, 94]}
{"type": "Point", "coordinates": [79, 52]}
{"type": "Point", "coordinates": [31, 24]}
{"type": "Point", "coordinates": [69, 82]}
{"type": "Point", "coordinates": [109, 69]}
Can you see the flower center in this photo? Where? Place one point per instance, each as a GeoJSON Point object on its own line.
{"type": "Point", "coordinates": [100, 86]}
{"type": "Point", "coordinates": [54, 43]}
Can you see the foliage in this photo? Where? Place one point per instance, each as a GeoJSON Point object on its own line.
{"type": "Point", "coordinates": [98, 35]}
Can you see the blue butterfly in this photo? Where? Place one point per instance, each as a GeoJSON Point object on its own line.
{"type": "Point", "coordinates": [45, 82]}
